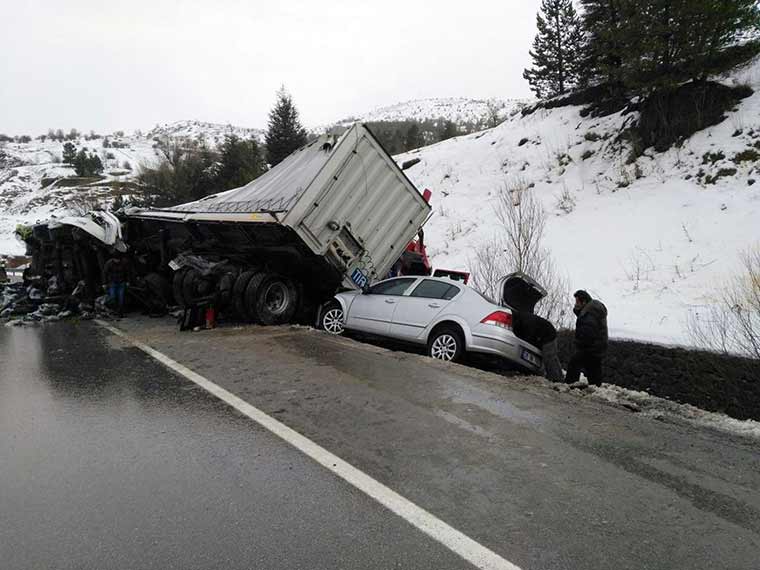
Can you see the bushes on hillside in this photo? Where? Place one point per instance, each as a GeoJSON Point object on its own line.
{"type": "Point", "coordinates": [188, 171]}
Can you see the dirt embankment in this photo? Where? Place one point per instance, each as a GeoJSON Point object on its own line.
{"type": "Point", "coordinates": [713, 382]}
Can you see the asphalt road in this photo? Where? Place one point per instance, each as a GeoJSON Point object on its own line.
{"type": "Point", "coordinates": [108, 460]}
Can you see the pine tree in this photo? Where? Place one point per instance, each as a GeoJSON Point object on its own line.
{"type": "Point", "coordinates": [651, 44]}
{"type": "Point", "coordinates": [449, 131]}
{"type": "Point", "coordinates": [604, 22]}
{"type": "Point", "coordinates": [285, 133]}
{"type": "Point", "coordinates": [69, 153]}
{"type": "Point", "coordinates": [94, 165]}
{"type": "Point", "coordinates": [239, 162]}
{"type": "Point", "coordinates": [413, 138]}
{"type": "Point", "coordinates": [80, 163]}
{"type": "Point", "coordinates": [680, 39]}
{"type": "Point", "coordinates": [557, 49]}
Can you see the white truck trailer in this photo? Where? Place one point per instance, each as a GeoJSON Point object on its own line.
{"type": "Point", "coordinates": [337, 213]}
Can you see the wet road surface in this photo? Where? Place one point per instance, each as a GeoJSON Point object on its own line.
{"type": "Point", "coordinates": [116, 460]}
{"type": "Point", "coordinates": [548, 480]}
{"type": "Point", "coordinates": [109, 460]}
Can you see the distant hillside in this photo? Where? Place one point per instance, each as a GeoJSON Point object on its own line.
{"type": "Point", "coordinates": [456, 109]}
{"type": "Point", "coordinates": [213, 133]}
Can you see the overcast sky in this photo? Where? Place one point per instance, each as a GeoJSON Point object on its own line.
{"type": "Point", "coordinates": [108, 65]}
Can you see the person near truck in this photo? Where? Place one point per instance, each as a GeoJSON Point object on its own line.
{"type": "Point", "coordinates": [590, 339]}
{"type": "Point", "coordinates": [116, 276]}
{"type": "Point", "coordinates": [540, 333]}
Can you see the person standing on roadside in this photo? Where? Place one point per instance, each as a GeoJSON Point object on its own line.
{"type": "Point", "coordinates": [541, 333]}
{"type": "Point", "coordinates": [116, 276]}
{"type": "Point", "coordinates": [590, 339]}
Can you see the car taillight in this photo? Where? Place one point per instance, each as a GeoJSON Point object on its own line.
{"type": "Point", "coordinates": [500, 319]}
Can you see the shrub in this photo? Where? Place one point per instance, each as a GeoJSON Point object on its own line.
{"type": "Point", "coordinates": [722, 173]}
{"type": "Point", "coordinates": [668, 116]}
{"type": "Point", "coordinates": [732, 323]}
{"type": "Point", "coordinates": [747, 155]}
{"type": "Point", "coordinates": [518, 246]}
{"type": "Point", "coordinates": [592, 136]}
{"type": "Point", "coordinates": [587, 154]}
{"type": "Point", "coordinates": [565, 201]}
{"type": "Point", "coordinates": [712, 157]}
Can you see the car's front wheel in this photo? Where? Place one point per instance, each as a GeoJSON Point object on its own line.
{"type": "Point", "coordinates": [333, 318]}
{"type": "Point", "coordinates": [446, 344]}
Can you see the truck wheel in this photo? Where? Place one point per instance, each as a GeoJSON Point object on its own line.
{"type": "Point", "coordinates": [196, 287]}
{"type": "Point", "coordinates": [225, 288]}
{"type": "Point", "coordinates": [179, 276]}
{"type": "Point", "coordinates": [271, 299]}
{"type": "Point", "coordinates": [159, 288]}
{"type": "Point", "coordinates": [446, 343]}
{"type": "Point", "coordinates": [332, 319]}
{"type": "Point", "coordinates": [238, 294]}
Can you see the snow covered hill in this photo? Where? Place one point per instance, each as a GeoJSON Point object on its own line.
{"type": "Point", "coordinates": [213, 133]}
{"type": "Point", "coordinates": [35, 184]}
{"type": "Point", "coordinates": [455, 109]}
{"type": "Point", "coordinates": [651, 239]}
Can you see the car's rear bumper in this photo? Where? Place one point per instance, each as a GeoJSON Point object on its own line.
{"type": "Point", "coordinates": [505, 344]}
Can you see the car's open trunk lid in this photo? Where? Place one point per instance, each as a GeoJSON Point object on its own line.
{"type": "Point", "coordinates": [520, 292]}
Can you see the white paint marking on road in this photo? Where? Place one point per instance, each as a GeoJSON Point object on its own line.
{"type": "Point", "coordinates": [451, 538]}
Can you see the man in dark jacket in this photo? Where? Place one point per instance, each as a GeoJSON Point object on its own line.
{"type": "Point", "coordinates": [590, 339]}
{"type": "Point", "coordinates": [541, 333]}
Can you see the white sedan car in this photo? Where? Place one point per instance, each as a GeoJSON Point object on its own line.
{"type": "Point", "coordinates": [447, 316]}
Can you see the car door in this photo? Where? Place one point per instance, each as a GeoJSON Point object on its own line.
{"type": "Point", "coordinates": [415, 311]}
{"type": "Point", "coordinates": [372, 310]}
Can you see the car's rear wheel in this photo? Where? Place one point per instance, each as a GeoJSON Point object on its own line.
{"type": "Point", "coordinates": [447, 344]}
{"type": "Point", "coordinates": [333, 320]}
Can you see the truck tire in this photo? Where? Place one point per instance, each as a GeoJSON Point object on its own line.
{"type": "Point", "coordinates": [179, 276]}
{"type": "Point", "coordinates": [224, 289]}
{"type": "Point", "coordinates": [160, 289]}
{"type": "Point", "coordinates": [196, 287]}
{"type": "Point", "coordinates": [238, 294]}
{"type": "Point", "coordinates": [271, 299]}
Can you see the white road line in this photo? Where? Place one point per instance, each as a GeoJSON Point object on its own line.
{"type": "Point", "coordinates": [451, 538]}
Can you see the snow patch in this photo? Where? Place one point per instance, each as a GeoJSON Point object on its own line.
{"type": "Point", "coordinates": [660, 408]}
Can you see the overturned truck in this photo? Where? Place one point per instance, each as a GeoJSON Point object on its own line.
{"type": "Point", "coordinates": [337, 213]}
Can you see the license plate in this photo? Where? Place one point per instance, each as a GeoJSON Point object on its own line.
{"type": "Point", "coordinates": [528, 356]}
{"type": "Point", "coordinates": [359, 278]}
{"type": "Point", "coordinates": [174, 265]}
